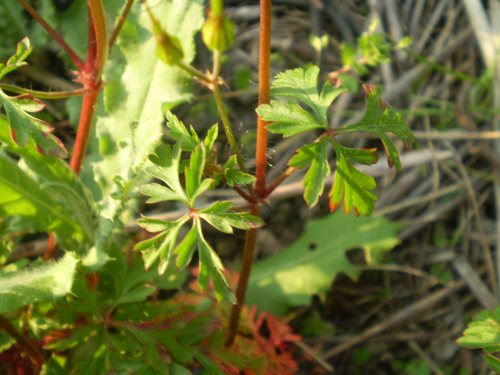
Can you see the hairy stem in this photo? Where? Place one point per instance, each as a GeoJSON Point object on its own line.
{"type": "Point", "coordinates": [223, 112]}
{"type": "Point", "coordinates": [58, 38]}
{"type": "Point", "coordinates": [261, 152]}
{"type": "Point", "coordinates": [50, 95]}
{"type": "Point", "coordinates": [91, 78]}
{"type": "Point", "coordinates": [246, 268]}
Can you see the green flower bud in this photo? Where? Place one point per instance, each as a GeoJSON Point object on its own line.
{"type": "Point", "coordinates": [218, 32]}
{"type": "Point", "coordinates": [168, 48]}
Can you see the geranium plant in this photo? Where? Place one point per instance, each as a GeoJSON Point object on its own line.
{"type": "Point", "coordinates": [99, 307]}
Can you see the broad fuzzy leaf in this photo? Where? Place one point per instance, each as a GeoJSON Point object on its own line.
{"type": "Point", "coordinates": [32, 209]}
{"type": "Point", "coordinates": [129, 119]}
{"type": "Point", "coordinates": [315, 155]}
{"type": "Point", "coordinates": [61, 183]}
{"type": "Point", "coordinates": [24, 127]}
{"type": "Point", "coordinates": [380, 120]}
{"type": "Point", "coordinates": [350, 186]}
{"type": "Point", "coordinates": [38, 284]}
{"type": "Point", "coordinates": [308, 266]}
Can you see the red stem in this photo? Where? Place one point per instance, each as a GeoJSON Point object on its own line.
{"type": "Point", "coordinates": [246, 268]}
{"type": "Point", "coordinates": [71, 53]}
{"type": "Point", "coordinates": [264, 53]}
{"type": "Point", "coordinates": [260, 173]}
{"type": "Point", "coordinates": [277, 182]}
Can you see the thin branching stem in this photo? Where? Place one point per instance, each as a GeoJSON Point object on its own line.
{"type": "Point", "coordinates": [50, 95]}
{"type": "Point", "coordinates": [279, 180]}
{"type": "Point", "coordinates": [120, 22]}
{"type": "Point", "coordinates": [222, 110]}
{"type": "Point", "coordinates": [54, 34]}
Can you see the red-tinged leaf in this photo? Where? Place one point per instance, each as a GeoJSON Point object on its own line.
{"type": "Point", "coordinates": [24, 126]}
{"type": "Point", "coordinates": [274, 346]}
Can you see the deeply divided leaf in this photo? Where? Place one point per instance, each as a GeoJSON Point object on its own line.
{"type": "Point", "coordinates": [23, 50]}
{"type": "Point", "coordinates": [288, 118]}
{"type": "Point", "coordinates": [24, 126]}
{"type": "Point", "coordinates": [301, 84]}
{"type": "Point", "coordinates": [351, 186]}
{"type": "Point", "coordinates": [314, 155]}
{"type": "Point", "coordinates": [381, 120]}
{"type": "Point", "coordinates": [211, 268]}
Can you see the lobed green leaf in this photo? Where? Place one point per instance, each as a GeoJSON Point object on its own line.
{"type": "Point", "coordinates": [288, 118]}
{"type": "Point", "coordinates": [350, 186]}
{"type": "Point", "coordinates": [187, 140]}
{"type": "Point", "coordinates": [210, 267]}
{"type": "Point", "coordinates": [222, 217]}
{"type": "Point", "coordinates": [379, 121]}
{"type": "Point", "coordinates": [314, 155]}
{"type": "Point", "coordinates": [24, 127]}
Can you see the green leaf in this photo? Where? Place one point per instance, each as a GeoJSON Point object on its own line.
{"type": "Point", "coordinates": [186, 248]}
{"type": "Point", "coordinates": [165, 167]}
{"type": "Point", "coordinates": [380, 120]}
{"type": "Point", "coordinates": [32, 209]}
{"type": "Point", "coordinates": [210, 267]}
{"type": "Point", "coordinates": [187, 140]}
{"type": "Point", "coordinates": [234, 176]}
{"type": "Point", "coordinates": [162, 245]}
{"type": "Point", "coordinates": [16, 61]}
{"type": "Point", "coordinates": [222, 217]}
{"type": "Point", "coordinates": [302, 84]}
{"type": "Point", "coordinates": [374, 49]}
{"type": "Point", "coordinates": [39, 284]}
{"type": "Point", "coordinates": [288, 118]}
{"type": "Point", "coordinates": [24, 127]}
{"type": "Point", "coordinates": [56, 179]}
{"type": "Point", "coordinates": [211, 137]}
{"type": "Point", "coordinates": [193, 173]}
{"type": "Point", "coordinates": [351, 186]}
{"type": "Point", "coordinates": [492, 361]}
{"type": "Point", "coordinates": [483, 332]}
{"type": "Point", "coordinates": [308, 266]}
{"type": "Point", "coordinates": [137, 85]}
{"type": "Point", "coordinates": [315, 155]}
{"type": "Point", "coordinates": [159, 193]}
